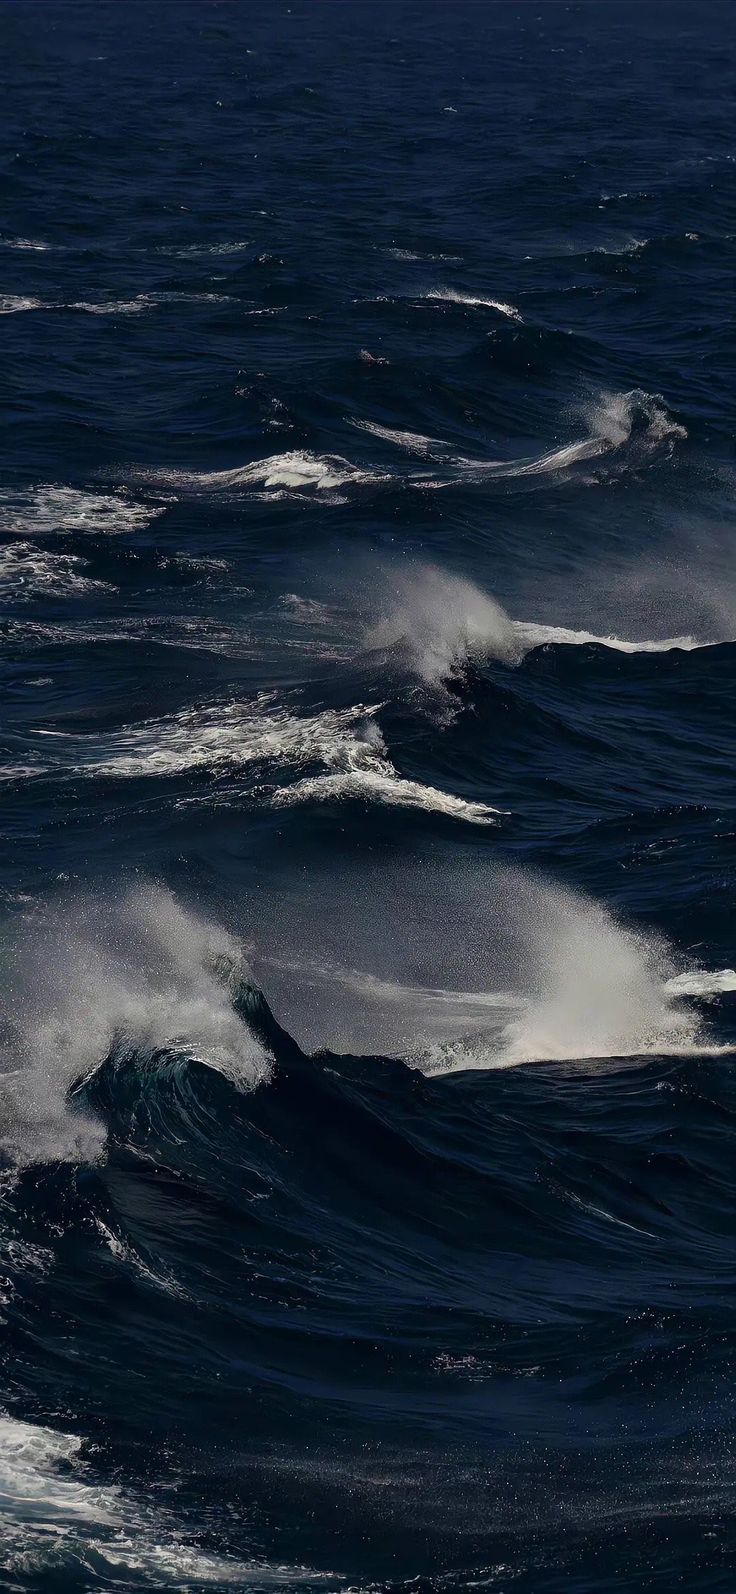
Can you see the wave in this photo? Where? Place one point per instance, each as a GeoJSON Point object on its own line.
{"type": "Point", "coordinates": [58, 1518]}
{"type": "Point", "coordinates": [461, 965]}
{"type": "Point", "coordinates": [436, 625]}
{"type": "Point", "coordinates": [49, 507]}
{"type": "Point", "coordinates": [467, 963]}
{"type": "Point", "coordinates": [105, 977]}
{"type": "Point", "coordinates": [636, 418]}
{"type": "Point", "coordinates": [28, 572]}
{"type": "Point", "coordinates": [225, 737]}
{"type": "Point", "coordinates": [14, 303]}
{"type": "Point", "coordinates": [615, 420]}
{"type": "Point", "coordinates": [297, 471]}
{"type": "Point", "coordinates": [145, 301]}
{"type": "Point", "coordinates": [453, 296]}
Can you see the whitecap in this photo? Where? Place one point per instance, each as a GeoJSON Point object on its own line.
{"type": "Point", "coordinates": [34, 244]}
{"type": "Point", "coordinates": [56, 1517]}
{"type": "Point", "coordinates": [383, 785]}
{"type": "Point", "coordinates": [50, 507]}
{"type": "Point", "coordinates": [98, 978]}
{"type": "Point", "coordinates": [475, 301]}
{"type": "Point", "coordinates": [297, 471]}
{"type": "Point", "coordinates": [13, 303]}
{"type": "Point", "coordinates": [532, 635]}
{"type": "Point", "coordinates": [28, 572]}
{"type": "Point", "coordinates": [702, 982]}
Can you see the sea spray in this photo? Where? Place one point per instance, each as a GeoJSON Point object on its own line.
{"type": "Point", "coordinates": [94, 974]}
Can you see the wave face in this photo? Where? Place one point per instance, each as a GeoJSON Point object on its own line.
{"type": "Point", "coordinates": [368, 659]}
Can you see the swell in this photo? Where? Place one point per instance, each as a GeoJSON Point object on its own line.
{"type": "Point", "coordinates": [635, 426]}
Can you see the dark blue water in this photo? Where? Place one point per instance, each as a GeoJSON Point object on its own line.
{"type": "Point", "coordinates": [367, 1102]}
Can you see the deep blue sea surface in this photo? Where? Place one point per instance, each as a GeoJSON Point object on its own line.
{"type": "Point", "coordinates": [368, 1027]}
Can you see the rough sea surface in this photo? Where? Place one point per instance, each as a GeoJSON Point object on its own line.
{"type": "Point", "coordinates": [368, 1033]}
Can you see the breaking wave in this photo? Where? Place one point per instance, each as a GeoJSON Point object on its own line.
{"type": "Point", "coordinates": [263, 736]}
{"type": "Point", "coordinates": [100, 976]}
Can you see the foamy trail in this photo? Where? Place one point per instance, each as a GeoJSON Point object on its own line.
{"type": "Point", "coordinates": [475, 301]}
{"type": "Point", "coordinates": [28, 572]}
{"type": "Point", "coordinates": [297, 471]}
{"type": "Point", "coordinates": [262, 735]}
{"type": "Point", "coordinates": [58, 1520]}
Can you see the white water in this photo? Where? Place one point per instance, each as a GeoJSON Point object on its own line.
{"type": "Point", "coordinates": [454, 964]}
{"type": "Point", "coordinates": [92, 976]}
{"type": "Point", "coordinates": [296, 471]}
{"type": "Point", "coordinates": [27, 572]}
{"type": "Point", "coordinates": [261, 736]}
{"type": "Point", "coordinates": [613, 420]}
{"type": "Point", "coordinates": [453, 296]}
{"type": "Point", "coordinates": [56, 1517]}
{"type": "Point", "coordinates": [48, 507]}
{"type": "Point", "coordinates": [436, 625]}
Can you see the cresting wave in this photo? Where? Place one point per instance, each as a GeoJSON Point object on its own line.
{"type": "Point", "coordinates": [454, 296]}
{"type": "Point", "coordinates": [138, 978]}
{"type": "Point", "coordinates": [261, 736]}
{"type": "Point", "coordinates": [435, 625]}
{"type": "Point", "coordinates": [93, 978]}
{"type": "Point", "coordinates": [616, 421]}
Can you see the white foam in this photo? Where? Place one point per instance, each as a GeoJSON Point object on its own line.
{"type": "Point", "coordinates": [57, 1517]}
{"type": "Point", "coordinates": [145, 301]}
{"type": "Point", "coordinates": [13, 303]}
{"type": "Point", "coordinates": [225, 737]}
{"type": "Point", "coordinates": [453, 296]}
{"type": "Point", "coordinates": [27, 572]}
{"type": "Point", "coordinates": [531, 635]}
{"type": "Point", "coordinates": [703, 982]}
{"type": "Point", "coordinates": [91, 978]}
{"type": "Point", "coordinates": [385, 786]}
{"type": "Point", "coordinates": [49, 507]}
{"type": "Point", "coordinates": [221, 737]}
{"type": "Point", "coordinates": [35, 244]}
{"type": "Point", "coordinates": [295, 471]}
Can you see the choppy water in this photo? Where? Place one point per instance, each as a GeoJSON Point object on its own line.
{"type": "Point", "coordinates": [367, 1101]}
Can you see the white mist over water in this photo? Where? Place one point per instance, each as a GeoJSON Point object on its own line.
{"type": "Point", "coordinates": [436, 625]}
{"type": "Point", "coordinates": [91, 976]}
{"type": "Point", "coordinates": [452, 961]}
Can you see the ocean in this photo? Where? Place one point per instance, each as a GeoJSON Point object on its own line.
{"type": "Point", "coordinates": [368, 1013]}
